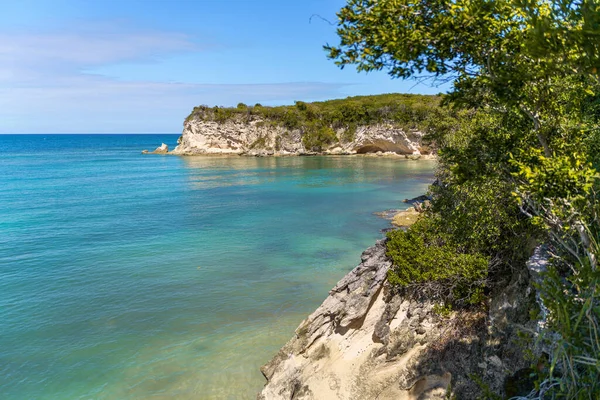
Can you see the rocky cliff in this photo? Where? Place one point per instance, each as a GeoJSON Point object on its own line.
{"type": "Point", "coordinates": [259, 137]}
{"type": "Point", "coordinates": [368, 342]}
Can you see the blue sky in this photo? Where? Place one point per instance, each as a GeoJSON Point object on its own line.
{"type": "Point", "coordinates": [120, 66]}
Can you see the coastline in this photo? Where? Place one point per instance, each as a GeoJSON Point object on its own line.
{"type": "Point", "coordinates": [407, 349]}
{"type": "Point", "coordinates": [159, 151]}
{"type": "Point", "coordinates": [222, 215]}
{"type": "Point", "coordinates": [359, 304]}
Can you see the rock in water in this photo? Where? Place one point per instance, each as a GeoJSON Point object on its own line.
{"type": "Point", "coordinates": [418, 199]}
{"type": "Point", "coordinates": [163, 149]}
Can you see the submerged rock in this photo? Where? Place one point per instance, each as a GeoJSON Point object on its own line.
{"type": "Point", "coordinates": [387, 214]}
{"type": "Point", "coordinates": [418, 199]}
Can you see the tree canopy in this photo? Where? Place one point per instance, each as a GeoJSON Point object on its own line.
{"type": "Point", "coordinates": [499, 53]}
{"type": "Point", "coordinates": [529, 70]}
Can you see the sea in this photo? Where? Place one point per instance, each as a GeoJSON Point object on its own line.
{"type": "Point", "coordinates": [130, 276]}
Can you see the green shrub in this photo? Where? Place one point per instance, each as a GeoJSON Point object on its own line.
{"type": "Point", "coordinates": [300, 105]}
{"type": "Point", "coordinates": [574, 313]}
{"type": "Point", "coordinates": [259, 143]}
{"type": "Point", "coordinates": [466, 244]}
{"type": "Point", "coordinates": [318, 137]}
{"type": "Point", "coordinates": [222, 115]}
{"type": "Point", "coordinates": [349, 134]}
{"type": "Point", "coordinates": [412, 111]}
{"type": "Point", "coordinates": [291, 119]}
{"type": "Point", "coordinates": [429, 264]}
{"type": "Point", "coordinates": [482, 216]}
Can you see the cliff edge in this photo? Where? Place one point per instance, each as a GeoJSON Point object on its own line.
{"type": "Point", "coordinates": [367, 342]}
{"type": "Point", "coordinates": [257, 138]}
{"type": "Point", "coordinates": [389, 123]}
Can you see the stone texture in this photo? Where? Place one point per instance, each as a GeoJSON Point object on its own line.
{"type": "Point", "coordinates": [367, 341]}
{"type": "Point", "coordinates": [162, 149]}
{"type": "Point", "coordinates": [260, 138]}
{"type": "Point", "coordinates": [355, 334]}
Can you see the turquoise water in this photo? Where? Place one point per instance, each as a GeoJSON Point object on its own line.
{"type": "Point", "coordinates": [125, 276]}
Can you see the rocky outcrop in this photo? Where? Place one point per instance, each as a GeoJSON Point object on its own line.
{"type": "Point", "coordinates": [405, 218]}
{"type": "Point", "coordinates": [162, 149]}
{"type": "Point", "coordinates": [258, 137]}
{"type": "Point", "coordinates": [367, 342]}
{"type": "Point", "coordinates": [400, 218]}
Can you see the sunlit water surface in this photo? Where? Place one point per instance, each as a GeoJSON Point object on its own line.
{"type": "Point", "coordinates": [125, 276]}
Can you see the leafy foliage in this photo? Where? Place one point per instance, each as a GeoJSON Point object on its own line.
{"type": "Point", "coordinates": [428, 264]}
{"type": "Point", "coordinates": [482, 217]}
{"type": "Point", "coordinates": [411, 110]}
{"type": "Point", "coordinates": [316, 137]}
{"type": "Point", "coordinates": [465, 245]}
{"type": "Point", "coordinates": [573, 315]}
{"type": "Point", "coordinates": [528, 70]}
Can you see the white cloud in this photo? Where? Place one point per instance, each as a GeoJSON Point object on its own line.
{"type": "Point", "coordinates": [112, 106]}
{"type": "Point", "coordinates": [91, 93]}
{"type": "Point", "coordinates": [43, 86]}
{"type": "Point", "coordinates": [71, 51]}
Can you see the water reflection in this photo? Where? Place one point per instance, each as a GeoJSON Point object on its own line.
{"type": "Point", "coordinates": [209, 172]}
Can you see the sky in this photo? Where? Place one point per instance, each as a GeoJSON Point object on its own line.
{"type": "Point", "coordinates": [140, 66]}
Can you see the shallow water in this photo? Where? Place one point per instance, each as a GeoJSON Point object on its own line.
{"type": "Point", "coordinates": [125, 276]}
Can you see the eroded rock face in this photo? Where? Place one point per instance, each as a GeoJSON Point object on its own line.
{"type": "Point", "coordinates": [359, 344]}
{"type": "Point", "coordinates": [162, 149]}
{"type": "Point", "coordinates": [387, 138]}
{"type": "Point", "coordinates": [262, 138]}
{"type": "Point", "coordinates": [367, 342]}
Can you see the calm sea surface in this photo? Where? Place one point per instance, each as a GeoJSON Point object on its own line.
{"type": "Point", "coordinates": [125, 276]}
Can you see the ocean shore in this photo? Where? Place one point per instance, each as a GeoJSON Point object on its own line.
{"type": "Point", "coordinates": [369, 340]}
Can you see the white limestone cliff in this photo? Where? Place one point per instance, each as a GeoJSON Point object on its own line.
{"type": "Point", "coordinates": [258, 137]}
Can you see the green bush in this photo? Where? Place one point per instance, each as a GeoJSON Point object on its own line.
{"type": "Point", "coordinates": [409, 111]}
{"type": "Point", "coordinates": [482, 216]}
{"type": "Point", "coordinates": [466, 244]}
{"type": "Point", "coordinates": [429, 265]}
{"type": "Point", "coordinates": [291, 119]}
{"type": "Point", "coordinates": [574, 313]}
{"type": "Point", "coordinates": [318, 137]}
{"type": "Point", "coordinates": [259, 143]}
{"type": "Point", "coordinates": [349, 134]}
{"type": "Point", "coordinates": [300, 105]}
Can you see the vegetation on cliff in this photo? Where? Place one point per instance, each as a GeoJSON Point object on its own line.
{"type": "Point", "coordinates": [522, 170]}
{"type": "Point", "coordinates": [319, 121]}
